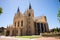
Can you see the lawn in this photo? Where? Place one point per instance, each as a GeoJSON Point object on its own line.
{"type": "Point", "coordinates": [28, 36]}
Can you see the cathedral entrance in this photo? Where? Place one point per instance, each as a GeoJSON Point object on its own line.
{"type": "Point", "coordinates": [21, 32]}
{"type": "Point", "coordinates": [14, 32]}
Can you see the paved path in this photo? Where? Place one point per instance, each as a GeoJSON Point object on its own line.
{"type": "Point", "coordinates": [13, 38]}
{"type": "Point", "coordinates": [47, 38]}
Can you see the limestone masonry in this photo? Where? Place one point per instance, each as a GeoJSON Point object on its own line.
{"type": "Point", "coordinates": [26, 24]}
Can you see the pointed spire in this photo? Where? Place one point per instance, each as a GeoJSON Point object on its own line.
{"type": "Point", "coordinates": [29, 5]}
{"type": "Point", "coordinates": [18, 9]}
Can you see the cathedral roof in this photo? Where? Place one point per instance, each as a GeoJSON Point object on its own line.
{"type": "Point", "coordinates": [18, 9]}
{"type": "Point", "coordinates": [18, 14]}
{"type": "Point", "coordinates": [30, 6]}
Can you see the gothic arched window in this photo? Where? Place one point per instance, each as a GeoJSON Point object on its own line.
{"type": "Point", "coordinates": [15, 24]}
{"type": "Point", "coordinates": [21, 23]}
{"type": "Point", "coordinates": [29, 14]}
{"type": "Point", "coordinates": [18, 23]}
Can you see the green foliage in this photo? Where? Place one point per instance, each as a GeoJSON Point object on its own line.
{"type": "Point", "coordinates": [55, 30]}
{"type": "Point", "coordinates": [58, 15]}
{"type": "Point", "coordinates": [0, 10]}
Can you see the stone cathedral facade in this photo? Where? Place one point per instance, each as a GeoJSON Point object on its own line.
{"type": "Point", "coordinates": [26, 24]}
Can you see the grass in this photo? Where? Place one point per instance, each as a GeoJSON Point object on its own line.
{"type": "Point", "coordinates": [42, 35]}
{"type": "Point", "coordinates": [28, 36]}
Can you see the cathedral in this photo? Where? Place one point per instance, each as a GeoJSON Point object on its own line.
{"type": "Point", "coordinates": [27, 24]}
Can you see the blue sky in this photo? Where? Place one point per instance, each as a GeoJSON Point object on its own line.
{"type": "Point", "coordinates": [49, 8]}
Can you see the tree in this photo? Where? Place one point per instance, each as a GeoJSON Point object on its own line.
{"type": "Point", "coordinates": [55, 30]}
{"type": "Point", "coordinates": [0, 10]}
{"type": "Point", "coordinates": [58, 15]}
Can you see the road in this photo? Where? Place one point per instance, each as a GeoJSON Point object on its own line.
{"type": "Point", "coordinates": [42, 38]}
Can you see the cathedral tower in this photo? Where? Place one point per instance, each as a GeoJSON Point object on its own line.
{"type": "Point", "coordinates": [30, 21]}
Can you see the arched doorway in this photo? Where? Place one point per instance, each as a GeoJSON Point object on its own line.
{"type": "Point", "coordinates": [7, 33]}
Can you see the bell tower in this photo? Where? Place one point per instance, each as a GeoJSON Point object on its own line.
{"type": "Point", "coordinates": [30, 21]}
